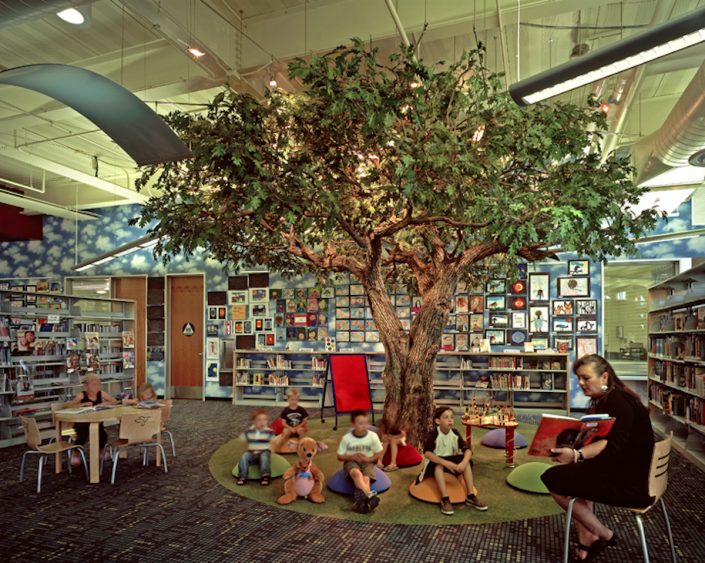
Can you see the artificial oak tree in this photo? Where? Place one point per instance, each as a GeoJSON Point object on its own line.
{"type": "Point", "coordinates": [393, 172]}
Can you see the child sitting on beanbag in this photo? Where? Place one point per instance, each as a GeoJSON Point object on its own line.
{"type": "Point", "coordinates": [391, 440]}
{"type": "Point", "coordinates": [259, 439]}
{"type": "Point", "coordinates": [446, 451]}
{"type": "Point", "coordinates": [294, 417]}
{"type": "Point", "coordinates": [359, 451]}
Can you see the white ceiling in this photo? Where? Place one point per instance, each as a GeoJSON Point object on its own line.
{"type": "Point", "coordinates": [141, 45]}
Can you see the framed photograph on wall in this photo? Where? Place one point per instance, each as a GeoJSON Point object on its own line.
{"type": "Point", "coordinates": [539, 286]}
{"type": "Point", "coordinates": [539, 343]}
{"type": "Point", "coordinates": [477, 304]}
{"type": "Point", "coordinates": [238, 297]}
{"type": "Point", "coordinates": [586, 307]}
{"type": "Point", "coordinates": [517, 337]}
{"type": "Point", "coordinates": [496, 303]}
{"type": "Point", "coordinates": [539, 320]}
{"type": "Point", "coordinates": [222, 313]}
{"type": "Point", "coordinates": [477, 323]}
{"type": "Point", "coordinates": [562, 324]}
{"type": "Point", "coordinates": [517, 303]}
{"type": "Point", "coordinates": [574, 287]}
{"type": "Point", "coordinates": [585, 345]}
{"type": "Point", "coordinates": [461, 304]}
{"type": "Point", "coordinates": [259, 295]}
{"type": "Point", "coordinates": [586, 325]}
{"type": "Point", "coordinates": [562, 307]}
{"type": "Point", "coordinates": [212, 313]}
{"type": "Point", "coordinates": [563, 343]}
{"type": "Point", "coordinates": [260, 310]}
{"type": "Point", "coordinates": [497, 287]}
{"type": "Point", "coordinates": [578, 267]}
{"type": "Point", "coordinates": [213, 348]}
{"type": "Point", "coordinates": [496, 337]}
{"type": "Point", "coordinates": [212, 371]}
{"type": "Point", "coordinates": [518, 319]}
{"type": "Point", "coordinates": [499, 320]}
{"type": "Point", "coordinates": [518, 288]}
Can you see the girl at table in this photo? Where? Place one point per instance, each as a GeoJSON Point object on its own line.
{"type": "Point", "coordinates": [91, 396]}
{"type": "Point", "coordinates": [145, 392]}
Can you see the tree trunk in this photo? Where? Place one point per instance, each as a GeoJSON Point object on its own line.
{"type": "Point", "coordinates": [411, 357]}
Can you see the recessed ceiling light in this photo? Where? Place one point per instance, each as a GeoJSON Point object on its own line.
{"type": "Point", "coordinates": [196, 52]}
{"type": "Point", "coordinates": [101, 291]}
{"type": "Point", "coordinates": [72, 16]}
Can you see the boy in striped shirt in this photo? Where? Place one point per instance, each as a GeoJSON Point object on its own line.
{"type": "Point", "coordinates": [259, 437]}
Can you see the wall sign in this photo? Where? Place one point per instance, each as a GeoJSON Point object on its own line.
{"type": "Point", "coordinates": [188, 330]}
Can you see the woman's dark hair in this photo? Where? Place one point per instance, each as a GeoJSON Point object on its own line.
{"type": "Point", "coordinates": [438, 412]}
{"type": "Point", "coordinates": [599, 365]}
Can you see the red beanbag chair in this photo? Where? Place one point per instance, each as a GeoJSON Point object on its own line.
{"type": "Point", "coordinates": [407, 456]}
{"type": "Point", "coordinates": [277, 426]}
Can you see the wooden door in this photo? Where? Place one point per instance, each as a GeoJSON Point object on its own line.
{"type": "Point", "coordinates": [135, 288]}
{"type": "Point", "coordinates": [185, 298]}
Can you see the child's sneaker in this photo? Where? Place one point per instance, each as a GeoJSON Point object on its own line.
{"type": "Point", "coordinates": [372, 503]}
{"type": "Point", "coordinates": [473, 501]}
{"type": "Point", "coordinates": [447, 507]}
{"type": "Point", "coordinates": [360, 502]}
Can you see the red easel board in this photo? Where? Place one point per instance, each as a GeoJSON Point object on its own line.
{"type": "Point", "coordinates": [351, 385]}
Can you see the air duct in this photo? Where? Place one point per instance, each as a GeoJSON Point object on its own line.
{"type": "Point", "coordinates": [681, 135]}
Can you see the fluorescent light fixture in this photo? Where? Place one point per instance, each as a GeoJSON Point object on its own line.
{"type": "Point", "coordinates": [196, 52]}
{"type": "Point", "coordinates": [33, 206]}
{"type": "Point", "coordinates": [637, 50]}
{"type": "Point", "coordinates": [72, 16]}
{"type": "Point", "coordinates": [681, 176]}
{"type": "Point", "coordinates": [664, 200]}
{"type": "Point", "coordinates": [139, 244]}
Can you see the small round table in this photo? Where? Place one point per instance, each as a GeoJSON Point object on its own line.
{"type": "Point", "coordinates": [509, 428]}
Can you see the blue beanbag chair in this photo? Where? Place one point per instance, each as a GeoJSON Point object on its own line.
{"type": "Point", "coordinates": [495, 439]}
{"type": "Point", "coordinates": [340, 484]}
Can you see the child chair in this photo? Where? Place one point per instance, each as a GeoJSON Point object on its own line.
{"type": "Point", "coordinates": [166, 416]}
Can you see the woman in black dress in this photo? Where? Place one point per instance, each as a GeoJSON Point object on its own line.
{"type": "Point", "coordinates": [612, 471]}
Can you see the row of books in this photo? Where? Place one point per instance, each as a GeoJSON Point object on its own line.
{"type": "Point", "coordinates": [273, 379]}
{"type": "Point", "coordinates": [678, 404]}
{"type": "Point", "coordinates": [682, 320]}
{"type": "Point", "coordinates": [690, 377]}
{"type": "Point", "coordinates": [679, 346]}
{"type": "Point", "coordinates": [103, 328]}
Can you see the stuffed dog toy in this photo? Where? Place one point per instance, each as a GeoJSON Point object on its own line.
{"type": "Point", "coordinates": [303, 479]}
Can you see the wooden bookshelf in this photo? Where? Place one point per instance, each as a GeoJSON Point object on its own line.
{"type": "Point", "coordinates": [676, 360]}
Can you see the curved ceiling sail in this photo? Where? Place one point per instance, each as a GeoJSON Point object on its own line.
{"type": "Point", "coordinates": [138, 130]}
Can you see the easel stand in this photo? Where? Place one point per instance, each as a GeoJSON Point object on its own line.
{"type": "Point", "coordinates": [349, 385]}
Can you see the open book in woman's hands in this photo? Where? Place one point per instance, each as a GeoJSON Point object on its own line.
{"type": "Point", "coordinates": [557, 431]}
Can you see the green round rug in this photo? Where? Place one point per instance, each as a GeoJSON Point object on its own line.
{"type": "Point", "coordinates": [397, 506]}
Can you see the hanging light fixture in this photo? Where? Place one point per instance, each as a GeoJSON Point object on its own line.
{"type": "Point", "coordinates": [637, 50]}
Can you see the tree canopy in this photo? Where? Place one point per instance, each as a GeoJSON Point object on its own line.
{"type": "Point", "coordinates": [393, 166]}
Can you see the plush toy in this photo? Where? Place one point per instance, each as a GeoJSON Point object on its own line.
{"type": "Point", "coordinates": [303, 479]}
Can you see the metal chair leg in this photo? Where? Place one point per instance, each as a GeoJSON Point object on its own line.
{"type": "Point", "coordinates": [171, 440]}
{"type": "Point", "coordinates": [24, 458]}
{"type": "Point", "coordinates": [115, 464]}
{"type": "Point", "coordinates": [166, 468]}
{"type": "Point", "coordinates": [668, 529]}
{"type": "Point", "coordinates": [85, 464]}
{"type": "Point", "coordinates": [39, 473]}
{"type": "Point", "coordinates": [642, 537]}
{"type": "Point", "coordinates": [145, 457]}
{"type": "Point", "coordinates": [568, 518]}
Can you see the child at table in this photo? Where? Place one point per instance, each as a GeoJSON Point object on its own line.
{"type": "Point", "coordinates": [145, 392]}
{"type": "Point", "coordinates": [359, 451]}
{"type": "Point", "coordinates": [294, 417]}
{"type": "Point", "coordinates": [91, 396]}
{"type": "Point", "coordinates": [446, 451]}
{"type": "Point", "coordinates": [259, 439]}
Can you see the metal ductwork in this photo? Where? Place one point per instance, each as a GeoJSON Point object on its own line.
{"type": "Point", "coordinates": [13, 12]}
{"type": "Point", "coordinates": [681, 135]}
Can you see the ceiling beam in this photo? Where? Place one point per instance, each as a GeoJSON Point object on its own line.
{"type": "Point", "coordinates": [131, 196]}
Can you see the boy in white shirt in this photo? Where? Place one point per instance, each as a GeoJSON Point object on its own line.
{"type": "Point", "coordinates": [446, 451]}
{"type": "Point", "coordinates": [359, 451]}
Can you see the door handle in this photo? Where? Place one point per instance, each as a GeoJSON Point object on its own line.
{"type": "Point", "coordinates": [200, 353]}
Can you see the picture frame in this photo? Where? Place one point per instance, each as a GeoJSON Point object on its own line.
{"type": "Point", "coordinates": [517, 337]}
{"type": "Point", "coordinates": [238, 312]}
{"type": "Point", "coordinates": [476, 304]}
{"type": "Point", "coordinates": [539, 320]}
{"type": "Point", "coordinates": [578, 267]}
{"type": "Point", "coordinates": [462, 322]}
{"type": "Point", "coordinates": [499, 320]}
{"type": "Point", "coordinates": [495, 302]}
{"type": "Point", "coordinates": [539, 343]}
{"type": "Point", "coordinates": [211, 329]}
{"type": "Point", "coordinates": [586, 307]}
{"type": "Point", "coordinates": [212, 371]}
{"type": "Point", "coordinates": [222, 313]}
{"type": "Point", "coordinates": [259, 310]}
{"type": "Point", "coordinates": [574, 286]}
{"type": "Point", "coordinates": [585, 345]}
{"type": "Point", "coordinates": [518, 287]}
{"type": "Point", "coordinates": [238, 297]}
{"type": "Point", "coordinates": [517, 302]}
{"type": "Point", "coordinates": [496, 337]}
{"type": "Point", "coordinates": [247, 327]}
{"type": "Point", "coordinates": [477, 323]}
{"type": "Point", "coordinates": [539, 286]}
{"type": "Point", "coordinates": [462, 304]}
{"type": "Point", "coordinates": [562, 324]}
{"type": "Point", "coordinates": [563, 340]}
{"type": "Point", "coordinates": [518, 320]}
{"type": "Point", "coordinates": [448, 342]}
{"type": "Point", "coordinates": [259, 295]}
{"type": "Point", "coordinates": [562, 308]}
{"type": "Point", "coordinates": [586, 325]}
{"type": "Point", "coordinates": [213, 348]}
{"type": "Point", "coordinates": [212, 313]}
{"type": "Point", "coordinates": [497, 287]}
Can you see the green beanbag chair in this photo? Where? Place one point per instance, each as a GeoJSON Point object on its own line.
{"type": "Point", "coordinates": [278, 464]}
{"type": "Point", "coordinates": [527, 477]}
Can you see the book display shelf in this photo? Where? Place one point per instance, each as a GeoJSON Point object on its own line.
{"type": "Point", "coordinates": [676, 360]}
{"type": "Point", "coordinates": [525, 380]}
{"type": "Point", "coordinates": [48, 341]}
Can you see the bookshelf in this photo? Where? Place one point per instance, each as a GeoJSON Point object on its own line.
{"type": "Point", "coordinates": [529, 380]}
{"type": "Point", "coordinates": [676, 360]}
{"type": "Point", "coordinates": [39, 331]}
